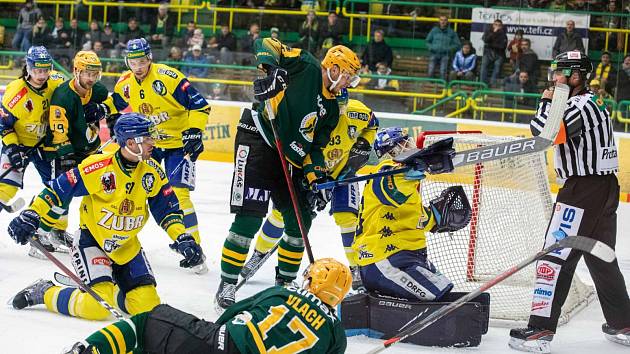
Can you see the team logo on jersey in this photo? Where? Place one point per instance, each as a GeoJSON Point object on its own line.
{"type": "Point", "coordinates": [57, 113]}
{"type": "Point", "coordinates": [126, 207]}
{"type": "Point", "coordinates": [145, 108]}
{"type": "Point", "coordinates": [334, 155]}
{"type": "Point", "coordinates": [352, 131]}
{"type": "Point", "coordinates": [148, 180]}
{"type": "Point", "coordinates": [307, 126]}
{"type": "Point", "coordinates": [28, 105]}
{"type": "Point", "coordinates": [110, 245]}
{"type": "Point", "coordinates": [126, 92]}
{"type": "Point", "coordinates": [159, 87]}
{"type": "Point", "coordinates": [91, 133]}
{"type": "Point", "coordinates": [108, 181]}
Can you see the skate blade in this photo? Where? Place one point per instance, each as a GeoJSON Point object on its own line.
{"type": "Point", "coordinates": [217, 308]}
{"type": "Point", "coordinates": [622, 339]}
{"type": "Point", "coordinates": [531, 346]}
{"type": "Point", "coordinates": [35, 253]}
{"type": "Point", "coordinates": [200, 269]}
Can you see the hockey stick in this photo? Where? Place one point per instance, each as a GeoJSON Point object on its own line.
{"type": "Point", "coordinates": [105, 144]}
{"type": "Point", "coordinates": [486, 153]}
{"type": "Point", "coordinates": [80, 284]}
{"type": "Point", "coordinates": [262, 261]}
{"type": "Point", "coordinates": [19, 202]}
{"type": "Point", "coordinates": [584, 244]}
{"type": "Point", "coordinates": [287, 177]}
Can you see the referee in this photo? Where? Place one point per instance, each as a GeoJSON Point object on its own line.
{"type": "Point", "coordinates": [586, 205]}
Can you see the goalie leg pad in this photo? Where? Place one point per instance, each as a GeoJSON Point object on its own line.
{"type": "Point", "coordinates": [170, 331]}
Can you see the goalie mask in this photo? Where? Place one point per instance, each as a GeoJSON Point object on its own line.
{"type": "Point", "coordinates": [329, 280]}
{"type": "Point", "coordinates": [451, 210]}
{"type": "Point", "coordinates": [392, 141]}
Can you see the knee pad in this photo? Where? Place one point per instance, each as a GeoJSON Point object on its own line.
{"type": "Point", "coordinates": [7, 192]}
{"type": "Point", "coordinates": [141, 299]}
{"type": "Point", "coordinates": [347, 221]}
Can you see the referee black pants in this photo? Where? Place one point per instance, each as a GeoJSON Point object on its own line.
{"type": "Point", "coordinates": [596, 198]}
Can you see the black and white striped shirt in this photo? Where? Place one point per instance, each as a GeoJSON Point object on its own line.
{"type": "Point", "coordinates": [590, 147]}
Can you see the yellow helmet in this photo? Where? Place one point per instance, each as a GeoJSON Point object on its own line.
{"type": "Point", "coordinates": [329, 280]}
{"type": "Point", "coordinates": [87, 60]}
{"type": "Point", "coordinates": [344, 57]}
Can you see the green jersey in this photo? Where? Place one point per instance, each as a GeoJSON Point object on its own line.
{"type": "Point", "coordinates": [306, 112]}
{"type": "Point", "coordinates": [68, 130]}
{"type": "Point", "coordinates": [284, 320]}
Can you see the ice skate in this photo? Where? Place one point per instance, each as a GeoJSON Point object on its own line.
{"type": "Point", "coordinates": [530, 339]}
{"type": "Point", "coordinates": [31, 295]}
{"type": "Point", "coordinates": [253, 264]}
{"type": "Point", "coordinates": [621, 336]}
{"type": "Point", "coordinates": [226, 296]}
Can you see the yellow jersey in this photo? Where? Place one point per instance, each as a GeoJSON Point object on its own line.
{"type": "Point", "coordinates": [391, 217]}
{"type": "Point", "coordinates": [167, 98]}
{"type": "Point", "coordinates": [357, 121]}
{"type": "Point", "coordinates": [24, 114]}
{"type": "Point", "coordinates": [116, 202]}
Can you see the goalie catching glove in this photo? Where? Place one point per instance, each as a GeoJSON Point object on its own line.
{"type": "Point", "coordinates": [276, 81]}
{"type": "Point", "coordinates": [451, 210]}
{"type": "Point", "coordinates": [436, 158]}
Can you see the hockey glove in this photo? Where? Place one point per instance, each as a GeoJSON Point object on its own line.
{"type": "Point", "coordinates": [193, 144]}
{"type": "Point", "coordinates": [317, 200]}
{"type": "Point", "coordinates": [358, 157]}
{"type": "Point", "coordinates": [94, 112]}
{"type": "Point", "coordinates": [190, 249]}
{"type": "Point", "coordinates": [451, 210]}
{"type": "Point", "coordinates": [276, 81]}
{"type": "Point", "coordinates": [65, 163]}
{"type": "Point", "coordinates": [17, 156]}
{"type": "Point", "coordinates": [23, 227]}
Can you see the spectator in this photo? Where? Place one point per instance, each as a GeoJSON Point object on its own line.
{"type": "Point", "coordinates": [578, 5]}
{"type": "Point", "coordinates": [195, 56]}
{"type": "Point", "coordinates": [568, 41]}
{"type": "Point", "coordinates": [59, 34]}
{"type": "Point", "coordinates": [595, 86]}
{"type": "Point", "coordinates": [331, 32]}
{"type": "Point", "coordinates": [623, 80]}
{"type": "Point", "coordinates": [27, 17]}
{"type": "Point", "coordinates": [175, 55]}
{"type": "Point", "coordinates": [558, 5]}
{"type": "Point", "coordinates": [76, 35]}
{"type": "Point", "coordinates": [377, 51]}
{"type": "Point", "coordinates": [217, 92]}
{"type": "Point", "coordinates": [520, 82]}
{"type": "Point", "coordinates": [225, 44]}
{"type": "Point", "coordinates": [97, 47]}
{"type": "Point", "coordinates": [108, 37]}
{"type": "Point", "coordinates": [612, 21]}
{"type": "Point", "coordinates": [133, 31]}
{"type": "Point", "coordinates": [604, 72]}
{"type": "Point", "coordinates": [309, 33]}
{"type": "Point", "coordinates": [187, 33]}
{"type": "Point", "coordinates": [41, 33]}
{"type": "Point", "coordinates": [529, 61]}
{"type": "Point", "coordinates": [247, 42]}
{"type": "Point", "coordinates": [495, 41]}
{"type": "Point", "coordinates": [162, 27]}
{"type": "Point", "coordinates": [514, 47]}
{"type": "Point", "coordinates": [365, 81]}
{"type": "Point", "coordinates": [464, 63]}
{"type": "Point", "coordinates": [274, 33]}
{"type": "Point", "coordinates": [93, 35]}
{"type": "Point", "coordinates": [442, 42]}
{"type": "Point", "coordinates": [384, 83]}
{"type": "Point", "coordinates": [196, 40]}
{"type": "Point", "coordinates": [539, 4]}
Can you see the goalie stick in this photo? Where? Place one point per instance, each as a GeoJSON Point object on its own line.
{"type": "Point", "coordinates": [77, 281]}
{"type": "Point", "coordinates": [486, 153]}
{"type": "Point", "coordinates": [584, 244]}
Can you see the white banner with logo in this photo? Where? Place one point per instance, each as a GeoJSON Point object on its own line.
{"type": "Point", "coordinates": [541, 28]}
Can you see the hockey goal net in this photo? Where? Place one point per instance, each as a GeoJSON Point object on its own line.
{"type": "Point", "coordinates": [511, 206]}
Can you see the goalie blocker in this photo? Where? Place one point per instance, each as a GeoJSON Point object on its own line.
{"type": "Point", "coordinates": [382, 317]}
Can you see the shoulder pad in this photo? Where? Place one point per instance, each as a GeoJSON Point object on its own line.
{"type": "Point", "coordinates": [156, 166]}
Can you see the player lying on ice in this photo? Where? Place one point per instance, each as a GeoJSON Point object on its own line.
{"type": "Point", "coordinates": [390, 241]}
{"type": "Point", "coordinates": [279, 319]}
{"type": "Point", "coordinates": [118, 190]}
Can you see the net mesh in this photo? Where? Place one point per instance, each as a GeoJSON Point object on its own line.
{"type": "Point", "coordinates": [511, 205]}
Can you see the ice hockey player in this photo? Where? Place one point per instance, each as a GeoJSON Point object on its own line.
{"type": "Point", "coordinates": [119, 189]}
{"type": "Point", "coordinates": [23, 122]}
{"type": "Point", "coordinates": [165, 96]}
{"type": "Point", "coordinates": [279, 319]}
{"type": "Point", "coordinates": [302, 95]}
{"type": "Point", "coordinates": [76, 108]}
{"type": "Point", "coordinates": [586, 205]}
{"type": "Point", "coordinates": [390, 241]}
{"type": "Point", "coordinates": [347, 151]}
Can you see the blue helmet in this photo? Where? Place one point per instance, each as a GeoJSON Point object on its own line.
{"type": "Point", "coordinates": [132, 126]}
{"type": "Point", "coordinates": [138, 48]}
{"type": "Point", "coordinates": [389, 138]}
{"type": "Point", "coordinates": [38, 58]}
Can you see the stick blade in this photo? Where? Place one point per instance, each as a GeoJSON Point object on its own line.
{"type": "Point", "coordinates": [589, 245]}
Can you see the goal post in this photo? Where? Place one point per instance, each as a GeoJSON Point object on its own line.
{"type": "Point", "coordinates": [511, 206]}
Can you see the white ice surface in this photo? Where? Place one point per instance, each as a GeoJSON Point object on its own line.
{"type": "Point", "coordinates": [35, 330]}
